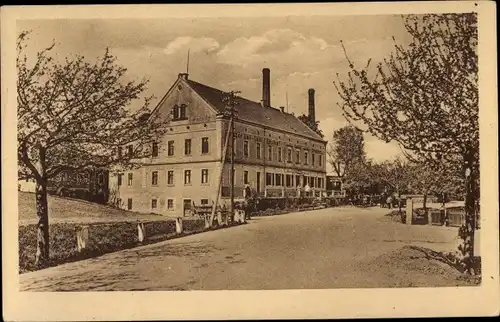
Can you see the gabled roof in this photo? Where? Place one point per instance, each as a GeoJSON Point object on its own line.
{"type": "Point", "coordinates": [254, 112]}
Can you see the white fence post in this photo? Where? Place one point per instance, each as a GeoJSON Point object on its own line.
{"type": "Point", "coordinates": [141, 232]}
{"type": "Point", "coordinates": [219, 218]}
{"type": "Point", "coordinates": [178, 225]}
{"type": "Point", "coordinates": [82, 237]}
{"type": "Point", "coordinates": [409, 211]}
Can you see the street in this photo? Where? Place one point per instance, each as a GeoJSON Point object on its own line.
{"type": "Point", "coordinates": [328, 248]}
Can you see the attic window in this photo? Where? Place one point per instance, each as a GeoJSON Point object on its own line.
{"type": "Point", "coordinates": [179, 112]}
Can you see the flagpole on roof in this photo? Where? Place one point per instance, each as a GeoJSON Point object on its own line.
{"type": "Point", "coordinates": [187, 66]}
{"type": "Point", "coordinates": [286, 95]}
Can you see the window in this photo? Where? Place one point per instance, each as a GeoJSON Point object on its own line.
{"type": "Point", "coordinates": [245, 177]}
{"type": "Point", "coordinates": [269, 179]}
{"type": "Point", "coordinates": [155, 150]}
{"type": "Point", "coordinates": [187, 147]}
{"type": "Point", "coordinates": [204, 145]}
{"type": "Point", "coordinates": [289, 155]}
{"type": "Point", "coordinates": [204, 175]}
{"type": "Point", "coordinates": [154, 203]}
{"type": "Point", "coordinates": [179, 112]}
{"type": "Point", "coordinates": [288, 180]}
{"type": "Point", "coordinates": [320, 182]}
{"type": "Point", "coordinates": [280, 157]}
{"type": "Point", "coordinates": [312, 181]}
{"type": "Point", "coordinates": [130, 176]}
{"type": "Point", "coordinates": [258, 150]}
{"type": "Point", "coordinates": [129, 203]}
{"type": "Point", "coordinates": [170, 204]}
{"type": "Point", "coordinates": [187, 176]}
{"type": "Point", "coordinates": [297, 156]}
{"type": "Point", "coordinates": [297, 180]}
{"type": "Point", "coordinates": [130, 150]}
{"type": "Point", "coordinates": [270, 153]}
{"type": "Point", "coordinates": [154, 178]}
{"type": "Point", "coordinates": [182, 111]}
{"type": "Point", "coordinates": [278, 180]}
{"type": "Point", "coordinates": [320, 160]}
{"type": "Point", "coordinates": [119, 202]}
{"type": "Point", "coordinates": [245, 149]}
{"type": "Point", "coordinates": [306, 158]}
{"type": "Point", "coordinates": [170, 148]}
{"type": "Point", "coordinates": [204, 201]}
{"type": "Point", "coordinates": [120, 179]}
{"type": "Point", "coordinates": [313, 156]}
{"type": "Point", "coordinates": [170, 177]}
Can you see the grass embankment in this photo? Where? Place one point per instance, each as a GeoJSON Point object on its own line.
{"type": "Point", "coordinates": [109, 229]}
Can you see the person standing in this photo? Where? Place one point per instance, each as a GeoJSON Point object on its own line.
{"type": "Point", "coordinates": [389, 202]}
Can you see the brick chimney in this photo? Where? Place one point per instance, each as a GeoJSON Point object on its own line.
{"type": "Point", "coordinates": [266, 87]}
{"type": "Point", "coordinates": [312, 112]}
{"type": "Point", "coordinates": [183, 76]}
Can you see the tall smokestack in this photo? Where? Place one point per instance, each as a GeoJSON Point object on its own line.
{"type": "Point", "coordinates": [266, 87]}
{"type": "Point", "coordinates": [312, 113]}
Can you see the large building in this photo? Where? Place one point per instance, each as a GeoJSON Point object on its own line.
{"type": "Point", "coordinates": [275, 153]}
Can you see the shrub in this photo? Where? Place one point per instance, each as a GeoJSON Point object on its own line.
{"type": "Point", "coordinates": [193, 225]}
{"type": "Point", "coordinates": [62, 243]}
{"type": "Point", "coordinates": [154, 228]}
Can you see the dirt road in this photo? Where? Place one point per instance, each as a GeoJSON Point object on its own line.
{"type": "Point", "coordinates": [329, 248]}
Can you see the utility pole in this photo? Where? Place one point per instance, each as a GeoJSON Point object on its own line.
{"type": "Point", "coordinates": [231, 112]}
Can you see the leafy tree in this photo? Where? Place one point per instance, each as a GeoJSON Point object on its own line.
{"type": "Point", "coordinates": [396, 175]}
{"type": "Point", "coordinates": [346, 149]}
{"type": "Point", "coordinates": [75, 115]}
{"type": "Point", "coordinates": [314, 126]}
{"type": "Point", "coordinates": [425, 97]}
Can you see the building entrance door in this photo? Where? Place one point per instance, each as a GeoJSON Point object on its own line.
{"type": "Point", "coordinates": [186, 209]}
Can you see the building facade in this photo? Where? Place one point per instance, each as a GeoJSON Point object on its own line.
{"type": "Point", "coordinates": [275, 153]}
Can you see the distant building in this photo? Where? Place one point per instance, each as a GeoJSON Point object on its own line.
{"type": "Point", "coordinates": [275, 153]}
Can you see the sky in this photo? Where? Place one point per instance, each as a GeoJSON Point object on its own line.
{"type": "Point", "coordinates": [302, 52]}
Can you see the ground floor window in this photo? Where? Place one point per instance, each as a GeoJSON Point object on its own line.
{"type": "Point", "coordinates": [129, 204]}
{"type": "Point", "coordinates": [204, 201]}
{"type": "Point", "coordinates": [170, 204]}
{"type": "Point", "coordinates": [278, 181]}
{"type": "Point", "coordinates": [154, 203]}
{"type": "Point", "coordinates": [269, 179]}
{"type": "Point", "coordinates": [245, 177]}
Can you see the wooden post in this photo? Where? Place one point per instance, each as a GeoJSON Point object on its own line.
{"type": "Point", "coordinates": [82, 237]}
{"type": "Point", "coordinates": [409, 211]}
{"type": "Point", "coordinates": [224, 152]}
{"type": "Point", "coordinates": [141, 232]}
{"type": "Point", "coordinates": [178, 225]}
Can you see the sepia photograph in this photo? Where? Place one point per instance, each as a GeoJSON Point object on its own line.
{"type": "Point", "coordinates": [292, 148]}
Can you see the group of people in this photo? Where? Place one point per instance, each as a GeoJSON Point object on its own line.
{"type": "Point", "coordinates": [384, 201]}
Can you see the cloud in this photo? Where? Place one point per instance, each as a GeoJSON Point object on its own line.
{"type": "Point", "coordinates": [278, 47]}
{"type": "Point", "coordinates": [204, 45]}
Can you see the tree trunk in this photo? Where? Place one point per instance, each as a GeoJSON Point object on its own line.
{"type": "Point", "coordinates": [42, 251]}
{"type": "Point", "coordinates": [467, 231]}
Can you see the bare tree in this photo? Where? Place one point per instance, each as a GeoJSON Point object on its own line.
{"type": "Point", "coordinates": [313, 126]}
{"type": "Point", "coordinates": [425, 97]}
{"type": "Point", "coordinates": [75, 115]}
